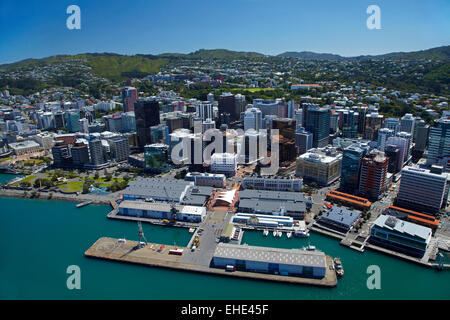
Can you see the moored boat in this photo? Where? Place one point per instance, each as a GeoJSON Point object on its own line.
{"type": "Point", "coordinates": [338, 267]}
{"type": "Point", "coordinates": [289, 234]}
{"type": "Point", "coordinates": [265, 232]}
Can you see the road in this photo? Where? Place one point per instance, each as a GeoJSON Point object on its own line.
{"type": "Point", "coordinates": [212, 226]}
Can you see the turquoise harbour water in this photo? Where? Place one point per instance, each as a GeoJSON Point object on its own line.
{"type": "Point", "coordinates": [4, 177]}
{"type": "Point", "coordinates": [39, 239]}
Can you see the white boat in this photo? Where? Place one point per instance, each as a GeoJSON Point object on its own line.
{"type": "Point", "coordinates": [274, 233]}
{"type": "Point", "coordinates": [301, 233]}
{"type": "Point", "coordinates": [310, 248]}
{"type": "Point", "coordinates": [279, 233]}
{"type": "Point", "coordinates": [265, 232]}
{"type": "Point", "coordinates": [289, 234]}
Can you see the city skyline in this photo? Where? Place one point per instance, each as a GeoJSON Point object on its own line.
{"type": "Point", "coordinates": [36, 30]}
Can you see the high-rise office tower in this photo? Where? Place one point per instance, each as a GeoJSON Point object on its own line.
{"type": "Point", "coordinates": [252, 119]}
{"type": "Point", "coordinates": [292, 106]}
{"type": "Point", "coordinates": [83, 125]}
{"type": "Point", "coordinates": [393, 124]}
{"type": "Point", "coordinates": [393, 153]}
{"type": "Point", "coordinates": [174, 123]}
{"type": "Point", "coordinates": [350, 123]}
{"type": "Point", "coordinates": [439, 141]}
{"type": "Point", "coordinates": [204, 110]}
{"type": "Point", "coordinates": [96, 152]}
{"type": "Point", "coordinates": [298, 117]}
{"type": "Point", "coordinates": [318, 123]}
{"type": "Point", "coordinates": [147, 115]}
{"type": "Point", "coordinates": [422, 189]}
{"type": "Point", "coordinates": [372, 182]}
{"type": "Point", "coordinates": [374, 122]}
{"type": "Point", "coordinates": [402, 144]}
{"type": "Point", "coordinates": [351, 163]}
{"type": "Point", "coordinates": [120, 148]}
{"type": "Point", "coordinates": [239, 104]}
{"type": "Point", "coordinates": [72, 118]}
{"type": "Point", "coordinates": [80, 154]}
{"type": "Point", "coordinates": [407, 123]}
{"type": "Point", "coordinates": [303, 141]}
{"type": "Point", "coordinates": [421, 134]}
{"type": "Point", "coordinates": [334, 122]}
{"type": "Point", "coordinates": [362, 112]}
{"type": "Point", "coordinates": [128, 121]}
{"type": "Point", "coordinates": [383, 135]}
{"type": "Point", "coordinates": [210, 98]}
{"type": "Point", "coordinates": [267, 107]}
{"type": "Point", "coordinates": [232, 105]}
{"type": "Point", "coordinates": [408, 138]}
{"type": "Point", "coordinates": [129, 97]}
{"type": "Point", "coordinates": [286, 130]}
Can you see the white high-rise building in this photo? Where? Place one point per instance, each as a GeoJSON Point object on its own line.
{"type": "Point", "coordinates": [393, 124]}
{"type": "Point", "coordinates": [210, 98]}
{"type": "Point", "coordinates": [407, 136]}
{"type": "Point", "coordinates": [423, 190]}
{"type": "Point", "coordinates": [383, 135]}
{"type": "Point", "coordinates": [298, 117]}
{"type": "Point", "coordinates": [204, 110]}
{"type": "Point", "coordinates": [407, 124]}
{"type": "Point", "coordinates": [84, 124]}
{"type": "Point", "coordinates": [439, 142]}
{"type": "Point", "coordinates": [402, 144]}
{"type": "Point", "coordinates": [252, 119]}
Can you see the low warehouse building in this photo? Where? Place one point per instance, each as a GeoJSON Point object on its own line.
{"type": "Point", "coordinates": [263, 220]}
{"type": "Point", "coordinates": [339, 219]}
{"type": "Point", "coordinates": [291, 262]}
{"type": "Point", "coordinates": [154, 210]}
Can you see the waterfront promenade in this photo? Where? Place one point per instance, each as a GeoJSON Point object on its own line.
{"type": "Point", "coordinates": [95, 198]}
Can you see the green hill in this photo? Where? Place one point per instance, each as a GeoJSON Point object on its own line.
{"type": "Point", "coordinates": [118, 67]}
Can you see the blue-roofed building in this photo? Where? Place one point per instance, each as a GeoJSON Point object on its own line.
{"type": "Point", "coordinates": [339, 219]}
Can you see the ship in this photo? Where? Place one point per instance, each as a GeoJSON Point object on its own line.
{"type": "Point", "coordinates": [265, 233]}
{"type": "Point", "coordinates": [338, 267]}
{"type": "Point", "coordinates": [274, 233]}
{"type": "Point", "coordinates": [279, 233]}
{"type": "Point", "coordinates": [289, 234]}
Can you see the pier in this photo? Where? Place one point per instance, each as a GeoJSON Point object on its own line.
{"type": "Point", "coordinates": [151, 256]}
{"type": "Point", "coordinates": [80, 205]}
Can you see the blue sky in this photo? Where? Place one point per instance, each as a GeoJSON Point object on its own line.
{"type": "Point", "coordinates": [36, 29]}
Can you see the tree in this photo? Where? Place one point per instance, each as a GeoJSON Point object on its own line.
{"type": "Point", "coordinates": [86, 186]}
{"type": "Point", "coordinates": [108, 176]}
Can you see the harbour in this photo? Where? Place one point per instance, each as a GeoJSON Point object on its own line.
{"type": "Point", "coordinates": [42, 222]}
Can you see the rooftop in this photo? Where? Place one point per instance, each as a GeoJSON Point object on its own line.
{"type": "Point", "coordinates": [341, 216]}
{"type": "Point", "coordinates": [404, 227]}
{"type": "Point", "coordinates": [295, 257]}
{"type": "Point", "coordinates": [158, 206]}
